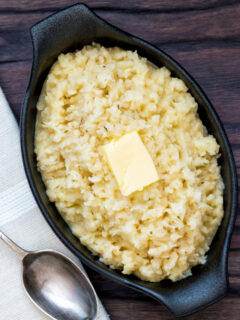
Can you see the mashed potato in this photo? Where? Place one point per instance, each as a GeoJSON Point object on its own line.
{"type": "Point", "coordinates": [96, 94]}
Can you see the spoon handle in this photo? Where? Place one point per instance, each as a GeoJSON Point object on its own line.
{"type": "Point", "coordinates": [19, 251]}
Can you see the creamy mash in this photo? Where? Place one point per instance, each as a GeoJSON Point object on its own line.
{"type": "Point", "coordinates": [95, 95]}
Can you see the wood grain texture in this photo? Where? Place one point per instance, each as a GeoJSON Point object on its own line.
{"type": "Point", "coordinates": [133, 5]}
{"type": "Point", "coordinates": [204, 36]}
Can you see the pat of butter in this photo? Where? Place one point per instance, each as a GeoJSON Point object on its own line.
{"type": "Point", "coordinates": [130, 163]}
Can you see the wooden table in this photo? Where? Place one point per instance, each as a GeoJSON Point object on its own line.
{"type": "Point", "coordinates": [204, 36]}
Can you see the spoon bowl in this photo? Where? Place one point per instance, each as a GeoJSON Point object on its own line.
{"type": "Point", "coordinates": [56, 285]}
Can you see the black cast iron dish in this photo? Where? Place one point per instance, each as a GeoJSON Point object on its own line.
{"type": "Point", "coordinates": [66, 31]}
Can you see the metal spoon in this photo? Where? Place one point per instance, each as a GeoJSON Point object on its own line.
{"type": "Point", "coordinates": [55, 284]}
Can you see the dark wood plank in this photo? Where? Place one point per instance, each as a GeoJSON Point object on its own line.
{"type": "Point", "coordinates": [236, 151]}
{"type": "Point", "coordinates": [13, 79]}
{"type": "Point", "coordinates": [234, 262]}
{"type": "Point", "coordinates": [204, 36]}
{"type": "Point", "coordinates": [233, 131]}
{"type": "Point", "coordinates": [235, 243]}
{"type": "Point", "coordinates": [181, 26]}
{"type": "Point", "coordinates": [164, 27]}
{"type": "Point", "coordinates": [134, 5]}
{"type": "Point", "coordinates": [229, 308]}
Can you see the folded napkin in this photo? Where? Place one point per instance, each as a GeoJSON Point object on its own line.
{"type": "Point", "coordinates": [22, 221]}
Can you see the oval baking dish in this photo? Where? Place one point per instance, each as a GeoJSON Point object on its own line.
{"type": "Point", "coordinates": [66, 31]}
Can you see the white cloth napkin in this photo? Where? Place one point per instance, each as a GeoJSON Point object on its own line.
{"type": "Point", "coordinates": [20, 219]}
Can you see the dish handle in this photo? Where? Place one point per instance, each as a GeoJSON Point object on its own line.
{"type": "Point", "coordinates": [194, 293]}
{"type": "Point", "coordinates": [63, 31]}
